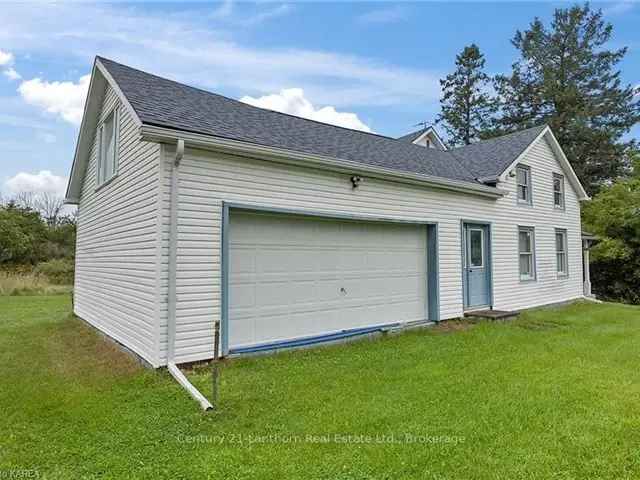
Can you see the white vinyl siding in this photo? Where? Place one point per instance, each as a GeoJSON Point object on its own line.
{"type": "Point", "coordinates": [208, 178]}
{"type": "Point", "coordinates": [558, 190]}
{"type": "Point", "coordinates": [108, 147]}
{"type": "Point", "coordinates": [526, 253]}
{"type": "Point", "coordinates": [562, 265]}
{"type": "Point", "coordinates": [117, 260]}
{"type": "Point", "coordinates": [523, 180]}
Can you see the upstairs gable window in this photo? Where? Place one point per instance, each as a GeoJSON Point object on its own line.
{"type": "Point", "coordinates": [523, 181]}
{"type": "Point", "coordinates": [108, 146]}
{"type": "Point", "coordinates": [558, 190]}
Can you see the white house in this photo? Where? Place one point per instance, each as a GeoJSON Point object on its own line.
{"type": "Point", "coordinates": [196, 208]}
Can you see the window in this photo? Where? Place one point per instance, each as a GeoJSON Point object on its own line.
{"type": "Point", "coordinates": [558, 191]}
{"type": "Point", "coordinates": [526, 251]}
{"type": "Point", "coordinates": [476, 248]}
{"type": "Point", "coordinates": [108, 143]}
{"type": "Point", "coordinates": [562, 266]}
{"type": "Point", "coordinates": [523, 180]}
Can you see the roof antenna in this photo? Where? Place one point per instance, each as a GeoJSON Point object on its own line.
{"type": "Point", "coordinates": [424, 124]}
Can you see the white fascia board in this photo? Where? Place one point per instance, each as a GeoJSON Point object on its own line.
{"type": "Point", "coordinates": [566, 165]}
{"type": "Point", "coordinates": [83, 139]}
{"type": "Point", "coordinates": [564, 162]}
{"type": "Point", "coordinates": [116, 88]}
{"type": "Point", "coordinates": [207, 142]}
{"type": "Point", "coordinates": [487, 179]}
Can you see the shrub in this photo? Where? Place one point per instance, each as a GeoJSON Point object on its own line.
{"type": "Point", "coordinates": [28, 283]}
{"type": "Point", "coordinates": [57, 272]}
{"type": "Point", "coordinates": [22, 233]}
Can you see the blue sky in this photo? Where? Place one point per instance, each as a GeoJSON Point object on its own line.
{"type": "Point", "coordinates": [369, 65]}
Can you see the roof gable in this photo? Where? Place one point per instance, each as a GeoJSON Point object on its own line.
{"type": "Point", "coordinates": [489, 158]}
{"type": "Point", "coordinates": [561, 158]}
{"type": "Point", "coordinates": [100, 77]}
{"type": "Point", "coordinates": [418, 136]}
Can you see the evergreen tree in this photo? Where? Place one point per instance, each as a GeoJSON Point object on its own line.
{"type": "Point", "coordinates": [466, 105]}
{"type": "Point", "coordinates": [567, 78]}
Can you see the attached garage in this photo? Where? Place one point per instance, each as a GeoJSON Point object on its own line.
{"type": "Point", "coordinates": [301, 278]}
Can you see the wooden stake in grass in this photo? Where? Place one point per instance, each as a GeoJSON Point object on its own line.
{"type": "Point", "coordinates": [215, 374]}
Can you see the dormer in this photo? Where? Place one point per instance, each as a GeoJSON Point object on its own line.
{"type": "Point", "coordinates": [426, 137]}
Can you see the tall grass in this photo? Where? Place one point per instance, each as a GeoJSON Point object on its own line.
{"type": "Point", "coordinates": [29, 283]}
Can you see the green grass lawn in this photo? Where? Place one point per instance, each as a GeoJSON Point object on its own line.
{"type": "Point", "coordinates": [553, 395]}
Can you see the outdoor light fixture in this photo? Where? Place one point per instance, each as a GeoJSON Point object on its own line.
{"type": "Point", "coordinates": [356, 181]}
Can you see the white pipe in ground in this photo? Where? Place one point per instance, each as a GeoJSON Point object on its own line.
{"type": "Point", "coordinates": [171, 327]}
{"type": "Point", "coordinates": [193, 391]}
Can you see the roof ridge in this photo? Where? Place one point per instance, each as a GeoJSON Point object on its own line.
{"type": "Point", "coordinates": [184, 85]}
{"type": "Point", "coordinates": [506, 135]}
{"type": "Point", "coordinates": [424, 129]}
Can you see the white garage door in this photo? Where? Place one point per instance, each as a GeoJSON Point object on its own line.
{"type": "Point", "coordinates": [294, 276]}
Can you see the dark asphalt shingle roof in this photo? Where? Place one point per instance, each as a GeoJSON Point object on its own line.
{"type": "Point", "coordinates": [162, 102]}
{"type": "Point", "coordinates": [489, 158]}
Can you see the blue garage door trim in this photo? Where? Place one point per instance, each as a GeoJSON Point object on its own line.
{"type": "Point", "coordinates": [433, 283]}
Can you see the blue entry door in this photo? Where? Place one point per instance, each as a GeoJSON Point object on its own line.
{"type": "Point", "coordinates": [476, 274]}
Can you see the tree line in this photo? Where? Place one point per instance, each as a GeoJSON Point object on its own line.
{"type": "Point", "coordinates": [37, 234]}
{"type": "Point", "coordinates": [565, 77]}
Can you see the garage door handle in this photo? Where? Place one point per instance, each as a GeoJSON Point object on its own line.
{"type": "Point", "coordinates": [343, 291]}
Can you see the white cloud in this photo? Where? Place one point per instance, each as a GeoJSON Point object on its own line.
{"type": "Point", "coordinates": [6, 58]}
{"type": "Point", "coordinates": [11, 74]}
{"type": "Point", "coordinates": [618, 8]}
{"type": "Point", "coordinates": [6, 61]}
{"type": "Point", "coordinates": [293, 101]}
{"type": "Point", "coordinates": [266, 15]}
{"type": "Point", "coordinates": [384, 15]}
{"type": "Point", "coordinates": [41, 182]}
{"type": "Point", "coordinates": [65, 99]}
{"type": "Point", "coordinates": [224, 10]}
{"type": "Point", "coordinates": [47, 137]}
{"type": "Point", "coordinates": [226, 13]}
{"type": "Point", "coordinates": [210, 57]}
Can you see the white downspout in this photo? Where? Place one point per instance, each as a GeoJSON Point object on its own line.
{"type": "Point", "coordinates": [173, 260]}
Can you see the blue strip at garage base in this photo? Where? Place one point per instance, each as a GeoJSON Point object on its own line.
{"type": "Point", "coordinates": [298, 342]}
